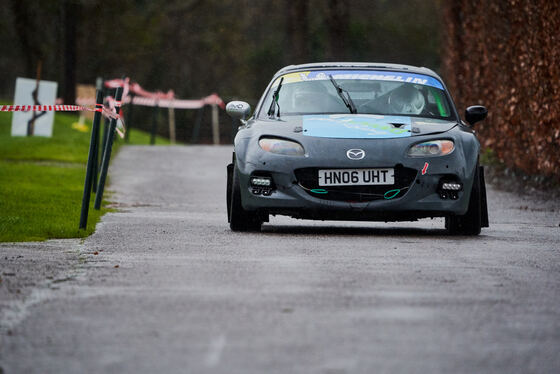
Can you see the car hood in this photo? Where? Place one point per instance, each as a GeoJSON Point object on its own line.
{"type": "Point", "coordinates": [365, 126]}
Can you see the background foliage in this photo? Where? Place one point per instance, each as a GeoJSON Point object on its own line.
{"type": "Point", "coordinates": [196, 47]}
{"type": "Point", "coordinates": [506, 55]}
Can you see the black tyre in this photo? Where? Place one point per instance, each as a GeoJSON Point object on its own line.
{"type": "Point", "coordinates": [471, 222]}
{"type": "Point", "coordinates": [239, 218]}
{"type": "Point", "coordinates": [228, 189]}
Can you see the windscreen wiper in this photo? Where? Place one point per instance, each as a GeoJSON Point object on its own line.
{"type": "Point", "coordinates": [346, 99]}
{"type": "Point", "coordinates": [275, 100]}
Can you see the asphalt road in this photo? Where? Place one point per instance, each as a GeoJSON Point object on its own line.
{"type": "Point", "coordinates": [164, 286]}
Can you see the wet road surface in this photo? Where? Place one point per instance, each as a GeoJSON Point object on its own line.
{"type": "Point", "coordinates": [164, 286]}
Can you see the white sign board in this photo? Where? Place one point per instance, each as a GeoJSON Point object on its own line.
{"type": "Point", "coordinates": [46, 96]}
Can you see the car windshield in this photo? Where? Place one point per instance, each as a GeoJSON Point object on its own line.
{"type": "Point", "coordinates": [371, 91]}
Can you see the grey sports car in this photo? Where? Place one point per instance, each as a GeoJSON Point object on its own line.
{"type": "Point", "coordinates": [356, 141]}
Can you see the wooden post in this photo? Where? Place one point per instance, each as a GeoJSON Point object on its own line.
{"type": "Point", "coordinates": [155, 114]}
{"type": "Point", "coordinates": [172, 124]}
{"type": "Point", "coordinates": [215, 125]}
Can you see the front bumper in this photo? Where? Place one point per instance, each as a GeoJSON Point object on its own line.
{"type": "Point", "coordinates": [420, 200]}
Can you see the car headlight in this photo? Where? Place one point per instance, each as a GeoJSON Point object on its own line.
{"type": "Point", "coordinates": [281, 146]}
{"type": "Point", "coordinates": [432, 148]}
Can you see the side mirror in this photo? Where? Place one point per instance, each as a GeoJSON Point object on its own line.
{"type": "Point", "coordinates": [475, 113]}
{"type": "Point", "coordinates": [238, 109]}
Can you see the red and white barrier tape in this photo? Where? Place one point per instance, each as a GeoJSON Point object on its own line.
{"type": "Point", "coordinates": [109, 113]}
{"type": "Point", "coordinates": [164, 103]}
{"type": "Point", "coordinates": [43, 108]}
{"type": "Point", "coordinates": [177, 104]}
{"type": "Point", "coordinates": [161, 99]}
{"type": "Point", "coordinates": [137, 90]}
{"type": "Point", "coordinates": [133, 93]}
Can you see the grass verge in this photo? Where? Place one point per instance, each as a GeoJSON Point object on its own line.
{"type": "Point", "coordinates": [42, 181]}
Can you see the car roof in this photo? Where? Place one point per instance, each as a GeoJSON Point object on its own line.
{"type": "Point", "coordinates": [358, 65]}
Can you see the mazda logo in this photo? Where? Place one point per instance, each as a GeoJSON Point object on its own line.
{"type": "Point", "coordinates": [355, 154]}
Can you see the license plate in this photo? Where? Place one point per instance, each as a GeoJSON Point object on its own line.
{"type": "Point", "coordinates": [356, 177]}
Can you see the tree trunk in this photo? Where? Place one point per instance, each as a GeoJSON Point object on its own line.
{"type": "Point", "coordinates": [71, 15]}
{"type": "Point", "coordinates": [297, 31]}
{"type": "Point", "coordinates": [338, 21]}
{"type": "Point", "coordinates": [26, 29]}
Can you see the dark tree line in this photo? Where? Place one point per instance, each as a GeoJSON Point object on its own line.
{"type": "Point", "coordinates": [195, 47]}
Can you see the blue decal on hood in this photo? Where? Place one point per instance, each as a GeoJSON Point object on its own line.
{"type": "Point", "coordinates": [356, 126]}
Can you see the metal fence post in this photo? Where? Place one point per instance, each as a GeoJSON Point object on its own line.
{"type": "Point", "coordinates": [215, 125]}
{"type": "Point", "coordinates": [171, 115]}
{"type": "Point", "coordinates": [107, 152]}
{"type": "Point", "coordinates": [91, 161]}
{"type": "Point", "coordinates": [103, 144]}
{"type": "Point", "coordinates": [129, 118]}
{"type": "Point", "coordinates": [154, 124]}
{"type": "Point", "coordinates": [95, 167]}
{"type": "Point", "coordinates": [99, 87]}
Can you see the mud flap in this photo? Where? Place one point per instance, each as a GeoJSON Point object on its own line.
{"type": "Point", "coordinates": [483, 202]}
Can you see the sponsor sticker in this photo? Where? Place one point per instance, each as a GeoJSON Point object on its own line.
{"type": "Point", "coordinates": [356, 126]}
{"type": "Point", "coordinates": [376, 75]}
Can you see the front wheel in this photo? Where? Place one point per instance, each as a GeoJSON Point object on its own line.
{"type": "Point", "coordinates": [228, 189]}
{"type": "Point", "coordinates": [239, 218]}
{"type": "Point", "coordinates": [471, 222]}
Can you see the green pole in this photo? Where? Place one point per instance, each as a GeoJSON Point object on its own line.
{"type": "Point", "coordinates": [104, 141]}
{"type": "Point", "coordinates": [95, 160]}
{"type": "Point", "coordinates": [91, 161]}
{"type": "Point", "coordinates": [107, 153]}
{"type": "Point", "coordinates": [99, 87]}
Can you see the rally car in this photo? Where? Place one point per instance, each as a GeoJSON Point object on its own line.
{"type": "Point", "coordinates": [356, 141]}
